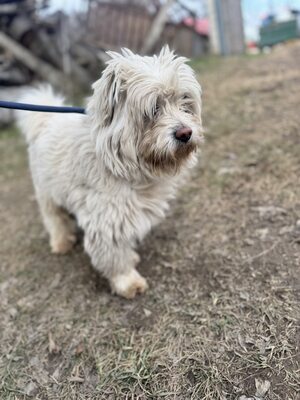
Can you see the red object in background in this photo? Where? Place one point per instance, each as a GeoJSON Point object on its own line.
{"type": "Point", "coordinates": [201, 26]}
{"type": "Point", "coordinates": [252, 45]}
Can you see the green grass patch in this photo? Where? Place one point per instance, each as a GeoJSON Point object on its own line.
{"type": "Point", "coordinates": [206, 63]}
{"type": "Point", "coordinates": [10, 132]}
{"type": "Point", "coordinates": [12, 152]}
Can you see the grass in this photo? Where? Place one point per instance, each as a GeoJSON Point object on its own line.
{"type": "Point", "coordinates": [12, 155]}
{"type": "Point", "coordinates": [206, 63]}
{"type": "Point", "coordinates": [221, 318]}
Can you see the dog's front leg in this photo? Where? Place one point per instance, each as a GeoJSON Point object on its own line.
{"type": "Point", "coordinates": [117, 262]}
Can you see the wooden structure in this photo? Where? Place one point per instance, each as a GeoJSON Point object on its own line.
{"type": "Point", "coordinates": [226, 27]}
{"type": "Point", "coordinates": [116, 25]}
{"type": "Point", "coordinates": [32, 46]}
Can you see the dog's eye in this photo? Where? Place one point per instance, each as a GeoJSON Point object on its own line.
{"type": "Point", "coordinates": [187, 104]}
{"type": "Point", "coordinates": [156, 110]}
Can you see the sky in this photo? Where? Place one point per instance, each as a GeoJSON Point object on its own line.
{"type": "Point", "coordinates": [253, 10]}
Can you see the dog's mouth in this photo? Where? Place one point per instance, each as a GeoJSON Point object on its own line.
{"type": "Point", "coordinates": [183, 149]}
{"type": "Point", "coordinates": [170, 161]}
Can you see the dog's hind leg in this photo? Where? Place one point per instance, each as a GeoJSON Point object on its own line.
{"type": "Point", "coordinates": [59, 224]}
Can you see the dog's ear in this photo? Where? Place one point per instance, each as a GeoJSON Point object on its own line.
{"type": "Point", "coordinates": [107, 95]}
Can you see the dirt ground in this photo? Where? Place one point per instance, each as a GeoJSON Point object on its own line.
{"type": "Point", "coordinates": [221, 318]}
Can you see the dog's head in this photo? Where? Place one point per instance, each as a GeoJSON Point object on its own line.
{"type": "Point", "coordinates": [147, 113]}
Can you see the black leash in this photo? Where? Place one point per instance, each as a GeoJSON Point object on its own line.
{"type": "Point", "coordinates": [34, 107]}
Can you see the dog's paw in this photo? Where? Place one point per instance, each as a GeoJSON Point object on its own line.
{"type": "Point", "coordinates": [63, 245]}
{"type": "Point", "coordinates": [128, 284]}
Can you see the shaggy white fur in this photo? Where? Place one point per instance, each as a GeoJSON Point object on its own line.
{"type": "Point", "coordinates": [115, 168]}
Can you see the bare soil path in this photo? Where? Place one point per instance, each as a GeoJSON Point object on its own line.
{"type": "Point", "coordinates": [221, 318]}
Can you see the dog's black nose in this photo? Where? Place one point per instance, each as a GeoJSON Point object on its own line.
{"type": "Point", "coordinates": [183, 134]}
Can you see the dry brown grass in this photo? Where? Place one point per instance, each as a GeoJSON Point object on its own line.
{"type": "Point", "coordinates": [221, 318]}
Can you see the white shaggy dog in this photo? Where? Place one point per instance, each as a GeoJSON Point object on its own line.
{"type": "Point", "coordinates": [115, 168]}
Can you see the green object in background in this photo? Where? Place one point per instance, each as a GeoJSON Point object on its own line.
{"type": "Point", "coordinates": [278, 32]}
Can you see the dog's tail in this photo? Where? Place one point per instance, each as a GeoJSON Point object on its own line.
{"type": "Point", "coordinates": [32, 123]}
